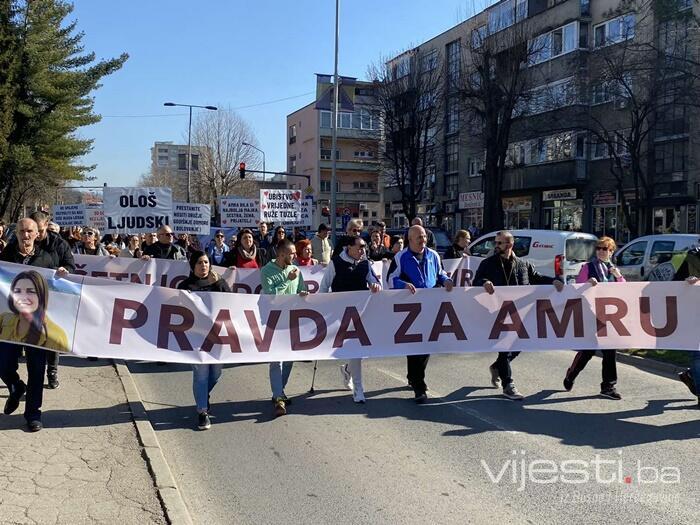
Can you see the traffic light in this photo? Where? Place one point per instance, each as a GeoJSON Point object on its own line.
{"type": "Point", "coordinates": [241, 169]}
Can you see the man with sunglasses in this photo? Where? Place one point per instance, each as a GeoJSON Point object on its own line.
{"type": "Point", "coordinates": [351, 271]}
{"type": "Point", "coordinates": [164, 248]}
{"type": "Point", "coordinates": [504, 268]}
{"type": "Point", "coordinates": [352, 230]}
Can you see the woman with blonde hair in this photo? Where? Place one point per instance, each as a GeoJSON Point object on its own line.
{"type": "Point", "coordinates": [599, 269]}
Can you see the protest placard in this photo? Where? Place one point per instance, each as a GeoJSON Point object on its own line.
{"type": "Point", "coordinates": [137, 210]}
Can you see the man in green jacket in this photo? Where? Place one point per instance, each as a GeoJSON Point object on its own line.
{"type": "Point", "coordinates": [281, 277]}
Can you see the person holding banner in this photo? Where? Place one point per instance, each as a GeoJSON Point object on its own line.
{"type": "Point", "coordinates": [245, 253]}
{"type": "Point", "coordinates": [89, 245]}
{"type": "Point", "coordinates": [304, 253]}
{"type": "Point", "coordinates": [351, 271]}
{"type": "Point", "coordinates": [204, 376]}
{"type": "Point", "coordinates": [689, 271]}
{"type": "Point", "coordinates": [598, 270]}
{"type": "Point", "coordinates": [459, 246]}
{"type": "Point", "coordinates": [133, 249]}
{"type": "Point", "coordinates": [377, 250]}
{"type": "Point", "coordinates": [26, 251]}
{"type": "Point", "coordinates": [281, 277]}
{"type": "Point", "coordinates": [504, 268]}
{"type": "Point", "coordinates": [417, 267]}
{"type": "Point", "coordinates": [352, 230]}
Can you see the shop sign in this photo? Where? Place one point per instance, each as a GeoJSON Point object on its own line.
{"type": "Point", "coordinates": [604, 198]}
{"type": "Point", "coordinates": [559, 195]}
{"type": "Point", "coordinates": [472, 199]}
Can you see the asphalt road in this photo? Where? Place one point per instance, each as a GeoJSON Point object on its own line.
{"type": "Point", "coordinates": [392, 461]}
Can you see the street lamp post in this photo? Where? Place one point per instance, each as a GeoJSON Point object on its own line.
{"type": "Point", "coordinates": [189, 139]}
{"type": "Point", "coordinates": [334, 124]}
{"type": "Point", "coordinates": [261, 151]}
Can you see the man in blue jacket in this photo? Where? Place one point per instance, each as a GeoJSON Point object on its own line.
{"type": "Point", "coordinates": [417, 267]}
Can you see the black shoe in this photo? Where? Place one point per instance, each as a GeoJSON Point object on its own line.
{"type": "Point", "coordinates": [34, 426]}
{"type": "Point", "coordinates": [688, 381]}
{"type": "Point", "coordinates": [421, 397]}
{"type": "Point", "coordinates": [53, 381]}
{"type": "Point", "coordinates": [287, 401]}
{"type": "Point", "coordinates": [568, 384]}
{"type": "Point", "coordinates": [203, 423]}
{"type": "Point", "coordinates": [611, 393]}
{"type": "Point", "coordinates": [15, 397]}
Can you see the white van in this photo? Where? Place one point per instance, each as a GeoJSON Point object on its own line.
{"type": "Point", "coordinates": [552, 252]}
{"type": "Point", "coordinates": [639, 256]}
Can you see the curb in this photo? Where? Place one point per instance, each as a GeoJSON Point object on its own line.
{"type": "Point", "coordinates": [171, 499]}
{"type": "Point", "coordinates": [652, 366]}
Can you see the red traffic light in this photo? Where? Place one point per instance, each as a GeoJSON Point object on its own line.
{"type": "Point", "coordinates": [241, 169]}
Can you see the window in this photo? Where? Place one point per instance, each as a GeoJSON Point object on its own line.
{"type": "Point", "coordinates": [195, 162]}
{"type": "Point", "coordinates": [182, 161]}
{"type": "Point", "coordinates": [548, 97]}
{"type": "Point", "coordinates": [293, 164]}
{"type": "Point", "coordinates": [326, 154]}
{"type": "Point", "coordinates": [484, 247]}
{"type": "Point", "coordinates": [671, 157]}
{"type": "Point", "coordinates": [478, 36]}
{"type": "Point", "coordinates": [614, 31]}
{"type": "Point", "coordinates": [325, 119]}
{"type": "Point", "coordinates": [401, 66]}
{"type": "Point", "coordinates": [344, 120]}
{"type": "Point", "coordinates": [453, 115]}
{"type": "Point", "coordinates": [475, 167]}
{"type": "Point", "coordinates": [427, 100]}
{"type": "Point", "coordinates": [600, 149]}
{"type": "Point", "coordinates": [521, 10]}
{"type": "Point", "coordinates": [363, 154]}
{"type": "Point", "coordinates": [661, 252]}
{"type": "Point", "coordinates": [325, 186]}
{"type": "Point", "coordinates": [452, 186]}
{"type": "Point", "coordinates": [452, 155]}
{"type": "Point", "coordinates": [429, 61]}
{"type": "Point", "coordinates": [363, 185]}
{"type": "Point", "coordinates": [553, 44]}
{"type": "Point", "coordinates": [633, 254]}
{"type": "Point", "coordinates": [292, 134]}
{"type": "Point", "coordinates": [366, 119]}
{"type": "Point", "coordinates": [453, 62]}
{"type": "Point", "coordinates": [617, 91]}
{"type": "Point", "coordinates": [502, 16]}
{"type": "Point", "coordinates": [162, 150]}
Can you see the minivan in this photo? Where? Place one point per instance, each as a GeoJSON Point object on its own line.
{"type": "Point", "coordinates": [553, 253]}
{"type": "Point", "coordinates": [639, 256]}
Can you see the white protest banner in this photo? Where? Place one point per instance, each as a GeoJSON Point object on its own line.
{"type": "Point", "coordinates": [162, 272]}
{"type": "Point", "coordinates": [95, 216]}
{"type": "Point", "coordinates": [191, 218]}
{"type": "Point", "coordinates": [137, 210]}
{"type": "Point", "coordinates": [280, 206]}
{"type": "Point", "coordinates": [132, 321]}
{"type": "Point", "coordinates": [305, 213]}
{"type": "Point", "coordinates": [69, 214]}
{"type": "Point", "coordinates": [238, 212]}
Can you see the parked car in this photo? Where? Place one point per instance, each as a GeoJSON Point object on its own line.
{"type": "Point", "coordinates": [639, 256]}
{"type": "Point", "coordinates": [553, 253]}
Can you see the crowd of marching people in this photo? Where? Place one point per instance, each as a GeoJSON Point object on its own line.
{"type": "Point", "coordinates": [413, 264]}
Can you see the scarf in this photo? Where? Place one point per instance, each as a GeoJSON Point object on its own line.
{"type": "Point", "coordinates": [247, 256]}
{"type": "Point", "coordinates": [601, 270]}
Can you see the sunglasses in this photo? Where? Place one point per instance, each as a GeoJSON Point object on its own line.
{"type": "Point", "coordinates": [88, 233]}
{"type": "Point", "coordinates": [219, 236]}
{"type": "Point", "coordinates": [169, 234]}
{"type": "Point", "coordinates": [502, 242]}
{"type": "Point", "coordinates": [601, 248]}
{"type": "Point", "coordinates": [355, 230]}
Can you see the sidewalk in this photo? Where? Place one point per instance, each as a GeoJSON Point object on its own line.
{"type": "Point", "coordinates": [86, 466]}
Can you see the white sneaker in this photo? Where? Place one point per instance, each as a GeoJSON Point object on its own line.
{"type": "Point", "coordinates": [512, 393]}
{"type": "Point", "coordinates": [358, 396]}
{"type": "Point", "coordinates": [346, 376]}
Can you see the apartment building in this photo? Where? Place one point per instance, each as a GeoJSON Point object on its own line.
{"type": "Point", "coordinates": [559, 172]}
{"type": "Point", "coordinates": [169, 166]}
{"type": "Point", "coordinates": [309, 151]}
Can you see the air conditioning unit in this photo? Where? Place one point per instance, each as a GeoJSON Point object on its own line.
{"type": "Point", "coordinates": [363, 206]}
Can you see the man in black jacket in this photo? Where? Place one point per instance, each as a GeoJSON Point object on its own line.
{"type": "Point", "coordinates": [60, 250]}
{"type": "Point", "coordinates": [164, 248]}
{"type": "Point", "coordinates": [503, 268]}
{"type": "Point", "coordinates": [26, 251]}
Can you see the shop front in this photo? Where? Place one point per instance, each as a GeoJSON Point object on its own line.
{"type": "Point", "coordinates": [517, 212]}
{"type": "Point", "coordinates": [562, 210]}
{"type": "Point", "coordinates": [471, 205]}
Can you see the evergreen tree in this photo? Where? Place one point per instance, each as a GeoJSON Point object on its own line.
{"type": "Point", "coordinates": [46, 79]}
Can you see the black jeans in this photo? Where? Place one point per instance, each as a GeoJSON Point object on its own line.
{"type": "Point", "coordinates": [36, 367]}
{"type": "Point", "coordinates": [502, 364]}
{"type": "Point", "coordinates": [51, 362]}
{"type": "Point", "coordinates": [609, 366]}
{"type": "Point", "coordinates": [416, 372]}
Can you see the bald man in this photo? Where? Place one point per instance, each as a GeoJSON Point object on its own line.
{"type": "Point", "coordinates": [164, 248]}
{"type": "Point", "coordinates": [417, 266]}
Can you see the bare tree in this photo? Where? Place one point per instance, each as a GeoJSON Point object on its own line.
{"type": "Point", "coordinates": [219, 136]}
{"type": "Point", "coordinates": [409, 95]}
{"type": "Point", "coordinates": [495, 86]}
{"type": "Point", "coordinates": [649, 71]}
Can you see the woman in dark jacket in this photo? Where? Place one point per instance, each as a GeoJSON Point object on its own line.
{"type": "Point", "coordinates": [245, 253]}
{"type": "Point", "coordinates": [279, 234]}
{"type": "Point", "coordinates": [204, 376]}
{"type": "Point", "coordinates": [377, 251]}
{"type": "Point", "coordinates": [459, 246]}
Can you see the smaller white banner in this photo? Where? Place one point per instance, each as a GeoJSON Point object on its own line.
{"type": "Point", "coordinates": [280, 206]}
{"type": "Point", "coordinates": [306, 213]}
{"type": "Point", "coordinates": [191, 218]}
{"type": "Point", "coordinates": [95, 216]}
{"type": "Point", "coordinates": [69, 214]}
{"type": "Point", "coordinates": [238, 212]}
{"type": "Point", "coordinates": [137, 210]}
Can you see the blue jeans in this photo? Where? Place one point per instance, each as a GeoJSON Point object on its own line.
{"type": "Point", "coordinates": [204, 378]}
{"type": "Point", "coordinates": [695, 370]}
{"type": "Point", "coordinates": [279, 375]}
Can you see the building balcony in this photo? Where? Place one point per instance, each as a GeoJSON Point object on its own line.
{"type": "Point", "coordinates": [350, 165]}
{"type": "Point", "coordinates": [546, 175]}
{"type": "Point", "coordinates": [351, 133]}
{"type": "Point", "coordinates": [355, 196]}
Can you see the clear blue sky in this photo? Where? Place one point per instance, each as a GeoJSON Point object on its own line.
{"type": "Point", "coordinates": [233, 53]}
